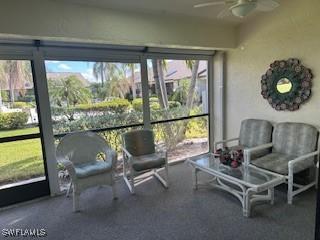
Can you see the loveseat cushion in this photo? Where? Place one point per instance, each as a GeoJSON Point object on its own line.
{"type": "Point", "coordinates": [255, 132]}
{"type": "Point", "coordinates": [275, 162]}
{"type": "Point", "coordinates": [294, 138]}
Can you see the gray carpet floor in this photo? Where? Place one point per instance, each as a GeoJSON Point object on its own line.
{"type": "Point", "coordinates": [156, 213]}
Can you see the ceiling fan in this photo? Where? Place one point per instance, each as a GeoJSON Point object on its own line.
{"type": "Point", "coordinates": [241, 8]}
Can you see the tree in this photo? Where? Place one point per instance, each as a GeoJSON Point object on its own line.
{"type": "Point", "coordinates": [2, 80]}
{"type": "Point", "coordinates": [114, 75]}
{"type": "Point", "coordinates": [133, 87]}
{"type": "Point", "coordinates": [158, 66]}
{"type": "Point", "coordinates": [194, 67]}
{"type": "Point", "coordinates": [99, 69]}
{"type": "Point", "coordinates": [160, 85]}
{"type": "Point", "coordinates": [104, 71]}
{"type": "Point", "coordinates": [15, 73]}
{"type": "Point", "coordinates": [119, 85]}
{"type": "Point", "coordinates": [69, 91]}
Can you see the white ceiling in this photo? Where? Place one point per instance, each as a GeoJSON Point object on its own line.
{"type": "Point", "coordinates": [170, 7]}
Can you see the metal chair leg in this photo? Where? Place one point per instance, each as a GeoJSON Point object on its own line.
{"type": "Point", "coordinates": [114, 192]}
{"type": "Point", "coordinates": [68, 190]}
{"type": "Point", "coordinates": [290, 187]}
{"type": "Point", "coordinates": [317, 176]}
{"type": "Point", "coordinates": [76, 200]}
{"type": "Point", "coordinates": [167, 175]}
{"type": "Point", "coordinates": [161, 180]}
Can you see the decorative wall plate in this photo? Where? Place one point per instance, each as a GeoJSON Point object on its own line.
{"type": "Point", "coordinates": [286, 84]}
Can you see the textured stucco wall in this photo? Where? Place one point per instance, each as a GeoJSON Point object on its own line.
{"type": "Point", "coordinates": [293, 30]}
{"type": "Point", "coordinates": [58, 20]}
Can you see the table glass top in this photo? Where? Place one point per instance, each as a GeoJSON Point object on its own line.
{"type": "Point", "coordinates": [248, 174]}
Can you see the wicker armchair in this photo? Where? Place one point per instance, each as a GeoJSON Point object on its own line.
{"type": "Point", "coordinates": [89, 161]}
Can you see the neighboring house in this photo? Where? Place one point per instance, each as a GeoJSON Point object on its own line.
{"type": "Point", "coordinates": [174, 72]}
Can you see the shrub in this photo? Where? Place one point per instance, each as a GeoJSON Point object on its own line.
{"type": "Point", "coordinates": [137, 104]}
{"type": "Point", "coordinates": [116, 105]}
{"type": "Point", "coordinates": [153, 99]}
{"type": "Point", "coordinates": [174, 104]}
{"type": "Point", "coordinates": [98, 121]}
{"type": "Point", "coordinates": [13, 120]}
{"type": "Point", "coordinates": [197, 128]}
{"type": "Point", "coordinates": [154, 104]}
{"type": "Point", "coordinates": [5, 95]}
{"type": "Point", "coordinates": [21, 105]}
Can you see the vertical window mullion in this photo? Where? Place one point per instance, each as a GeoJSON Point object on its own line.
{"type": "Point", "coordinates": [211, 104]}
{"type": "Point", "coordinates": [145, 92]}
{"type": "Point", "coordinates": [45, 118]}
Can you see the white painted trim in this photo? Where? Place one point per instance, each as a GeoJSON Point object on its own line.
{"type": "Point", "coordinates": [218, 92]}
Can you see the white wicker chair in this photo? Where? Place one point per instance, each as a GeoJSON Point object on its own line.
{"type": "Point", "coordinates": [89, 161]}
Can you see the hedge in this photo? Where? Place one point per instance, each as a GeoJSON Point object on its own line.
{"type": "Point", "coordinates": [154, 104]}
{"type": "Point", "coordinates": [13, 120]}
{"type": "Point", "coordinates": [21, 105]}
{"type": "Point", "coordinates": [116, 105]}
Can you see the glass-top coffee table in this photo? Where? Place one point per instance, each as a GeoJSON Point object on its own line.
{"type": "Point", "coordinates": [248, 183]}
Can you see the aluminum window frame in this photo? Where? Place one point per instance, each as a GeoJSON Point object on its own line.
{"type": "Point", "coordinates": [178, 56]}
{"type": "Point", "coordinates": [27, 54]}
{"type": "Point", "coordinates": [40, 51]}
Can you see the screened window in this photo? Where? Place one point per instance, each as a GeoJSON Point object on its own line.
{"type": "Point", "coordinates": [178, 103]}
{"type": "Point", "coordinates": [93, 95]}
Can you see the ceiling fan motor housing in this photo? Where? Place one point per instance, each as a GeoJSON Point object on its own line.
{"type": "Point", "coordinates": [243, 8]}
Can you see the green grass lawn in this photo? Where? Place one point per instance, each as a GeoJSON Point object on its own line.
{"type": "Point", "coordinates": [20, 160]}
{"type": "Point", "coordinates": [17, 132]}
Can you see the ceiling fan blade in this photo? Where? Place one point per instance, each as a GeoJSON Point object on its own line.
{"type": "Point", "coordinates": [209, 4]}
{"type": "Point", "coordinates": [224, 13]}
{"type": "Point", "coordinates": [267, 5]}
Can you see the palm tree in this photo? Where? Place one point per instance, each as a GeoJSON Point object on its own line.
{"type": "Point", "coordinates": [115, 78]}
{"type": "Point", "coordinates": [99, 69]}
{"type": "Point", "coordinates": [2, 80]}
{"type": "Point", "coordinates": [133, 86]}
{"type": "Point", "coordinates": [69, 91]}
{"type": "Point", "coordinates": [193, 65]}
{"type": "Point", "coordinates": [160, 85]}
{"type": "Point", "coordinates": [16, 73]}
{"type": "Point", "coordinates": [103, 70]}
{"type": "Point", "coordinates": [119, 85]}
